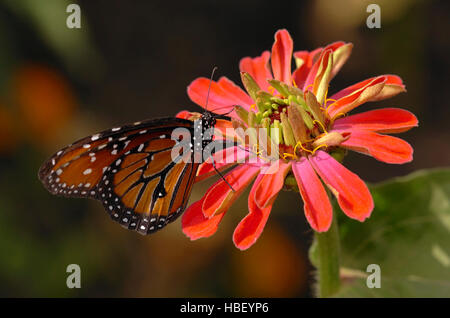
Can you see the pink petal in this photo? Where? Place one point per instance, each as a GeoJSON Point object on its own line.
{"type": "Point", "coordinates": [223, 129]}
{"type": "Point", "coordinates": [317, 207]}
{"type": "Point", "coordinates": [348, 102]}
{"type": "Point", "coordinates": [195, 225]}
{"type": "Point", "coordinates": [252, 225]}
{"type": "Point", "coordinates": [322, 77]}
{"type": "Point", "coordinates": [334, 46]}
{"type": "Point", "coordinates": [393, 85]}
{"type": "Point", "coordinates": [220, 196]}
{"type": "Point", "coordinates": [308, 58]}
{"type": "Point", "coordinates": [351, 192]}
{"type": "Point", "coordinates": [384, 148]}
{"type": "Point", "coordinates": [271, 183]}
{"type": "Point", "coordinates": [385, 120]}
{"type": "Point", "coordinates": [222, 97]}
{"type": "Point", "coordinates": [184, 114]}
{"type": "Point", "coordinates": [390, 80]}
{"type": "Point", "coordinates": [281, 56]}
{"type": "Point", "coordinates": [235, 93]}
{"type": "Point", "coordinates": [258, 68]}
{"type": "Point", "coordinates": [341, 53]}
{"type": "Point", "coordinates": [308, 85]}
{"type": "Point", "coordinates": [222, 159]}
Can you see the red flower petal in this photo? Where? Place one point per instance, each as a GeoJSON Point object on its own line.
{"type": "Point", "coordinates": [351, 192]}
{"type": "Point", "coordinates": [386, 120]}
{"type": "Point", "coordinates": [316, 56]}
{"type": "Point", "coordinates": [384, 148]}
{"type": "Point", "coordinates": [317, 206]}
{"type": "Point", "coordinates": [307, 58]}
{"type": "Point", "coordinates": [252, 225]}
{"type": "Point", "coordinates": [281, 56]}
{"type": "Point", "coordinates": [222, 97]}
{"type": "Point", "coordinates": [322, 77]}
{"type": "Point", "coordinates": [393, 85]}
{"type": "Point", "coordinates": [220, 197]}
{"type": "Point", "coordinates": [312, 73]}
{"type": "Point", "coordinates": [236, 93]}
{"type": "Point", "coordinates": [390, 80]}
{"type": "Point", "coordinates": [271, 183]}
{"type": "Point", "coordinates": [341, 53]}
{"type": "Point", "coordinates": [184, 114]}
{"type": "Point", "coordinates": [195, 225]}
{"type": "Point", "coordinates": [357, 97]}
{"type": "Point", "coordinates": [258, 68]}
{"type": "Point", "coordinates": [222, 159]}
{"type": "Point", "coordinates": [223, 129]}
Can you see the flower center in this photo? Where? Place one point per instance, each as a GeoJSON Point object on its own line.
{"type": "Point", "coordinates": [294, 119]}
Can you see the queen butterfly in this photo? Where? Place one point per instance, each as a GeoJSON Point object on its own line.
{"type": "Point", "coordinates": [130, 169]}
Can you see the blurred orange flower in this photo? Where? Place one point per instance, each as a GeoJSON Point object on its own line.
{"type": "Point", "coordinates": [45, 101]}
{"type": "Point", "coordinates": [8, 138]}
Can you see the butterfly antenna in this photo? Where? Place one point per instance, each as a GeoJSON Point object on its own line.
{"type": "Point", "coordinates": [209, 87]}
{"type": "Point", "coordinates": [206, 108]}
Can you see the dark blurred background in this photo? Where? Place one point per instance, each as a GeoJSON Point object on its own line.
{"type": "Point", "coordinates": [133, 60]}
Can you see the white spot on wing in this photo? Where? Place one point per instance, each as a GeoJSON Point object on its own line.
{"type": "Point", "coordinates": [87, 171]}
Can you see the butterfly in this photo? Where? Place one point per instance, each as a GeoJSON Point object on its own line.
{"type": "Point", "coordinates": [132, 170]}
{"type": "Point", "coordinates": [142, 173]}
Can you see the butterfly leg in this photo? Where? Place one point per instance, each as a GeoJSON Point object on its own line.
{"type": "Point", "coordinates": [220, 174]}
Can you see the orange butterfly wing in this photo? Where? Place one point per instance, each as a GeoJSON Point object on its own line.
{"type": "Point", "coordinates": [130, 170]}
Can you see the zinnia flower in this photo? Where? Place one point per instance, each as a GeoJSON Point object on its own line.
{"type": "Point", "coordinates": [314, 132]}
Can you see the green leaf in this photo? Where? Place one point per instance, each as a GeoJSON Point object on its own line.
{"type": "Point", "coordinates": [408, 236]}
{"type": "Point", "coordinates": [73, 46]}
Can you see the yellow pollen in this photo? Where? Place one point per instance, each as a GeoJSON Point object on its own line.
{"type": "Point", "coordinates": [321, 125]}
{"type": "Point", "coordinates": [287, 155]}
{"type": "Point", "coordinates": [253, 106]}
{"type": "Point", "coordinates": [271, 89]}
{"type": "Point", "coordinates": [326, 94]}
{"type": "Point", "coordinates": [294, 83]}
{"type": "Point", "coordinates": [318, 147]}
{"type": "Point", "coordinates": [295, 148]}
{"type": "Point", "coordinates": [339, 115]}
{"type": "Point", "coordinates": [301, 146]}
{"type": "Point", "coordinates": [256, 150]}
{"type": "Point", "coordinates": [306, 88]}
{"type": "Point", "coordinates": [326, 102]}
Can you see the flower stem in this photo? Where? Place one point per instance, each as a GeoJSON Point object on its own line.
{"type": "Point", "coordinates": [328, 249]}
